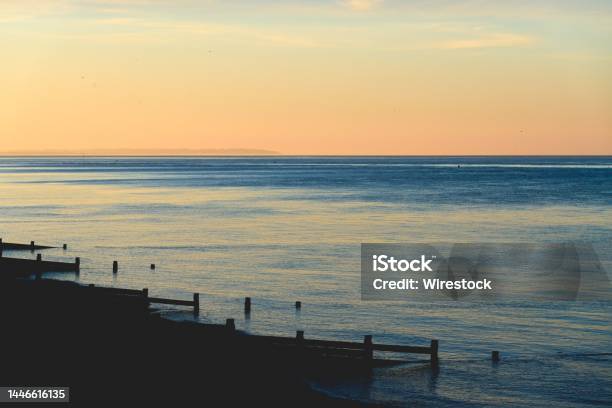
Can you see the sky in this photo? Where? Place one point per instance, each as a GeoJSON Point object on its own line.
{"type": "Point", "coordinates": [329, 77]}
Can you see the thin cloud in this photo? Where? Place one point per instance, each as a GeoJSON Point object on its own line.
{"type": "Point", "coordinates": [489, 41]}
{"type": "Point", "coordinates": [12, 10]}
{"type": "Point", "coordinates": [361, 5]}
{"type": "Point", "coordinates": [213, 29]}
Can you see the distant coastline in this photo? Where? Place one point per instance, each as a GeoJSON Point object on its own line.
{"type": "Point", "coordinates": [141, 152]}
{"type": "Point", "coordinates": [249, 153]}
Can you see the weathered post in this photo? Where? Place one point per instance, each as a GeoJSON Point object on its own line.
{"type": "Point", "coordinates": [299, 341]}
{"type": "Point", "coordinates": [230, 325]}
{"type": "Point", "coordinates": [32, 245]}
{"type": "Point", "coordinates": [368, 347]}
{"type": "Point", "coordinates": [298, 305]}
{"type": "Point", "coordinates": [495, 356]}
{"type": "Point", "coordinates": [65, 246]}
{"type": "Point", "coordinates": [434, 352]}
{"type": "Point", "coordinates": [196, 303]}
{"type": "Point", "coordinates": [38, 273]}
{"type": "Point", "coordinates": [299, 335]}
{"type": "Point", "coordinates": [247, 305]}
{"type": "Point", "coordinates": [77, 264]}
{"type": "Point", "coordinates": [152, 266]}
{"type": "Point", "coordinates": [115, 266]}
{"type": "Point", "coordinates": [145, 292]}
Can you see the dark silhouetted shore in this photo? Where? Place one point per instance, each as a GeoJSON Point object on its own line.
{"type": "Point", "coordinates": [112, 349]}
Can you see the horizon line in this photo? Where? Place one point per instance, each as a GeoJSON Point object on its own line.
{"type": "Point", "coordinates": [247, 152]}
{"type": "Point", "coordinates": [280, 155]}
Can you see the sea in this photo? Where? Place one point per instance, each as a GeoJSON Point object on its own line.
{"type": "Point", "coordinates": [285, 229]}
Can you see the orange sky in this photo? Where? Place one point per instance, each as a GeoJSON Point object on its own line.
{"type": "Point", "coordinates": [318, 77]}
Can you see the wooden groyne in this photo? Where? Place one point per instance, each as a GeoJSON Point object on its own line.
{"type": "Point", "coordinates": [21, 268]}
{"type": "Point", "coordinates": [32, 246]}
{"type": "Point", "coordinates": [17, 267]}
{"type": "Point", "coordinates": [297, 345]}
{"type": "Point", "coordinates": [11, 268]}
{"type": "Point", "coordinates": [344, 349]}
{"type": "Point", "coordinates": [144, 294]}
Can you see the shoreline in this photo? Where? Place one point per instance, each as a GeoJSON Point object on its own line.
{"type": "Point", "coordinates": [69, 336]}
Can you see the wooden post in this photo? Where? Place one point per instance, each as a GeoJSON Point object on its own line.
{"type": "Point", "coordinates": [230, 325]}
{"type": "Point", "coordinates": [247, 305]}
{"type": "Point", "coordinates": [368, 348]}
{"type": "Point", "coordinates": [145, 292]}
{"type": "Point", "coordinates": [299, 341]}
{"type": "Point", "coordinates": [495, 356]}
{"type": "Point", "coordinates": [152, 266]}
{"type": "Point", "coordinates": [38, 273]}
{"type": "Point", "coordinates": [434, 352]}
{"type": "Point", "coordinates": [115, 266]}
{"type": "Point", "coordinates": [298, 305]}
{"type": "Point", "coordinates": [196, 303]}
{"type": "Point", "coordinates": [32, 245]}
{"type": "Point", "coordinates": [65, 247]}
{"type": "Point", "coordinates": [77, 264]}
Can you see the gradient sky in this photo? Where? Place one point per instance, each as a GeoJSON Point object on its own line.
{"type": "Point", "coordinates": [308, 77]}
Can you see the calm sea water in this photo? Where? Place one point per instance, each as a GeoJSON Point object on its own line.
{"type": "Point", "coordinates": [284, 229]}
